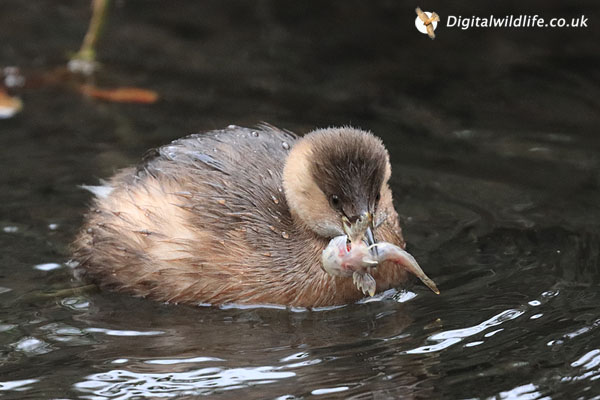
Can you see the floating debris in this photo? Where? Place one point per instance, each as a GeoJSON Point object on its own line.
{"type": "Point", "coordinates": [13, 77]}
{"type": "Point", "coordinates": [9, 106]}
{"type": "Point", "coordinates": [120, 95]}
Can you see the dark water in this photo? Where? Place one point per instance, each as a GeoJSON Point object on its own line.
{"type": "Point", "coordinates": [493, 136]}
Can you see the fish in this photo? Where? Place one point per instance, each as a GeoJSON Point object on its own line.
{"type": "Point", "coordinates": [343, 257]}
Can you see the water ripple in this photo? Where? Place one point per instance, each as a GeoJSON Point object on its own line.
{"type": "Point", "coordinates": [19, 385]}
{"type": "Point", "coordinates": [523, 392]}
{"type": "Point", "coordinates": [448, 338]}
{"type": "Point", "coordinates": [182, 360]}
{"type": "Point", "coordinates": [589, 360]}
{"type": "Point", "coordinates": [47, 267]}
{"type": "Point", "coordinates": [32, 346]}
{"type": "Point", "coordinates": [117, 332]}
{"type": "Point", "coordinates": [322, 391]}
{"type": "Point", "coordinates": [123, 384]}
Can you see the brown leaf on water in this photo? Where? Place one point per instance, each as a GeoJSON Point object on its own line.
{"type": "Point", "coordinates": [121, 94]}
{"type": "Point", "coordinates": [9, 105]}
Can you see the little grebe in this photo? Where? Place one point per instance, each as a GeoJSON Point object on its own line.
{"type": "Point", "coordinates": [241, 216]}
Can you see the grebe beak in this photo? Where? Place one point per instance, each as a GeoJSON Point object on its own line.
{"type": "Point", "coordinates": [361, 228]}
{"type": "Point", "coordinates": [370, 241]}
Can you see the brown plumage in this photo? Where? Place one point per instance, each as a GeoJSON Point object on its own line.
{"type": "Point", "coordinates": [240, 215]}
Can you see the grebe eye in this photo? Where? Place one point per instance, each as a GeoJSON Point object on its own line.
{"type": "Point", "coordinates": [335, 202]}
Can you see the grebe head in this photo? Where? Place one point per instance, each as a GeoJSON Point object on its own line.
{"type": "Point", "coordinates": [333, 181]}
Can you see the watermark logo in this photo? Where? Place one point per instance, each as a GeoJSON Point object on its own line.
{"type": "Point", "coordinates": [426, 22]}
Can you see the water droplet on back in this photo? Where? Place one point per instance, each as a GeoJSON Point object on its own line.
{"type": "Point", "coordinates": [285, 145]}
{"type": "Point", "coordinates": [285, 235]}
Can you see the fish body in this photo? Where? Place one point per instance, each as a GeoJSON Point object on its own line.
{"type": "Point", "coordinates": [356, 259]}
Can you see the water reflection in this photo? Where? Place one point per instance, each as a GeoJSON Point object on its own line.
{"type": "Point", "coordinates": [523, 392]}
{"type": "Point", "coordinates": [20, 385]}
{"type": "Point", "coordinates": [124, 384]}
{"type": "Point", "coordinates": [32, 346]}
{"type": "Point", "coordinates": [117, 332]}
{"type": "Point", "coordinates": [448, 338]}
{"type": "Point", "coordinates": [47, 266]}
{"type": "Point", "coordinates": [238, 348]}
{"type": "Point", "coordinates": [588, 367]}
{"type": "Point", "coordinates": [318, 392]}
